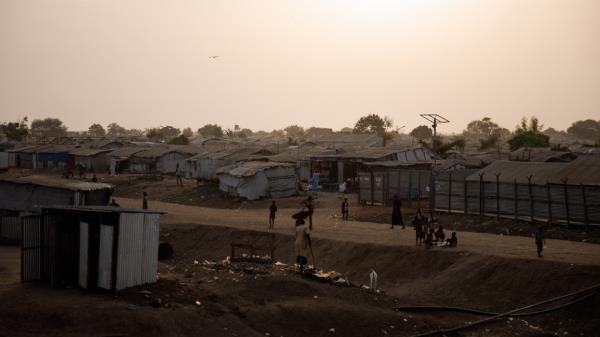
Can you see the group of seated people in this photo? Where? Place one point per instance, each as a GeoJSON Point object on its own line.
{"type": "Point", "coordinates": [426, 234]}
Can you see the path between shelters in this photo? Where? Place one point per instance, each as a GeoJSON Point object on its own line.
{"type": "Point", "coordinates": [328, 226]}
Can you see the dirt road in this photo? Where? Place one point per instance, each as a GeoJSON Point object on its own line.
{"type": "Point", "coordinates": [329, 226]}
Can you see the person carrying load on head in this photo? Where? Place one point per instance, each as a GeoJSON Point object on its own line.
{"type": "Point", "coordinates": [302, 242]}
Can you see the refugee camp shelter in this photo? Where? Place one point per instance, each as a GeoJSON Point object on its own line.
{"type": "Point", "coordinates": [205, 164]}
{"type": "Point", "coordinates": [120, 158]}
{"type": "Point", "coordinates": [379, 181]}
{"type": "Point", "coordinates": [93, 160]}
{"type": "Point", "coordinates": [29, 192]}
{"type": "Point", "coordinates": [21, 157]}
{"type": "Point", "coordinates": [161, 159]}
{"type": "Point", "coordinates": [542, 154]}
{"type": "Point", "coordinates": [53, 156]}
{"type": "Point", "coordinates": [256, 179]}
{"type": "Point", "coordinates": [336, 167]}
{"type": "Point", "coordinates": [91, 246]}
{"type": "Point", "coordinates": [10, 226]}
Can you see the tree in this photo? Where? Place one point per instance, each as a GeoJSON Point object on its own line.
{"type": "Point", "coordinates": [134, 133]}
{"type": "Point", "coordinates": [528, 139]}
{"type": "Point", "coordinates": [346, 131]}
{"type": "Point", "coordinates": [422, 132]}
{"type": "Point", "coordinates": [588, 129]}
{"type": "Point", "coordinates": [96, 130]}
{"type": "Point", "coordinates": [294, 131]}
{"type": "Point", "coordinates": [316, 131]}
{"type": "Point", "coordinates": [211, 130]}
{"type": "Point", "coordinates": [277, 133]}
{"type": "Point", "coordinates": [155, 134]}
{"type": "Point", "coordinates": [179, 140]}
{"type": "Point", "coordinates": [533, 125]}
{"type": "Point", "coordinates": [187, 132]}
{"type": "Point", "coordinates": [48, 127]}
{"type": "Point", "coordinates": [16, 131]}
{"type": "Point", "coordinates": [115, 130]}
{"type": "Point", "coordinates": [528, 135]}
{"type": "Point", "coordinates": [371, 124]}
{"type": "Point", "coordinates": [169, 132]}
{"type": "Point", "coordinates": [245, 133]}
{"type": "Point", "coordinates": [375, 125]}
{"type": "Point", "coordinates": [481, 129]}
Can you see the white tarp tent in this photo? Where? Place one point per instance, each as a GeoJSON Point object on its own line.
{"type": "Point", "coordinates": [256, 179]}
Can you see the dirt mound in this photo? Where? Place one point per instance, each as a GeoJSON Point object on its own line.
{"type": "Point", "coordinates": [417, 276]}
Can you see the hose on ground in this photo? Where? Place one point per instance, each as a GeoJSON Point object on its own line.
{"type": "Point", "coordinates": [494, 316]}
{"type": "Point", "coordinates": [488, 313]}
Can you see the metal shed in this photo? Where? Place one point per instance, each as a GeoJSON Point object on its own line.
{"type": "Point", "coordinates": [28, 192]}
{"type": "Point", "coordinates": [92, 247]}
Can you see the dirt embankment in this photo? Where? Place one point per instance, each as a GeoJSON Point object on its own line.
{"type": "Point", "coordinates": [235, 303]}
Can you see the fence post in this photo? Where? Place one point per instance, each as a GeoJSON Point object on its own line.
{"type": "Point", "coordinates": [410, 175]}
{"type": "Point", "coordinates": [564, 181]}
{"type": "Point", "coordinates": [419, 189]}
{"type": "Point", "coordinates": [432, 192]}
{"type": "Point", "coordinates": [530, 195]}
{"type": "Point", "coordinates": [481, 205]}
{"type": "Point", "coordinates": [585, 208]}
{"type": "Point", "coordinates": [372, 187]}
{"type": "Point", "coordinates": [449, 192]}
{"type": "Point", "coordinates": [549, 196]}
{"type": "Point", "coordinates": [465, 195]}
{"type": "Point", "coordinates": [498, 195]}
{"type": "Point", "coordinates": [516, 200]}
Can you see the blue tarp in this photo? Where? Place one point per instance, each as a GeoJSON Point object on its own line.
{"type": "Point", "coordinates": [54, 156]}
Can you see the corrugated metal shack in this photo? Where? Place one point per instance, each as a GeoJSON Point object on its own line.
{"type": "Point", "coordinates": [22, 157]}
{"type": "Point", "coordinates": [379, 181]}
{"type": "Point", "coordinates": [256, 179]}
{"type": "Point", "coordinates": [93, 160]}
{"type": "Point", "coordinates": [120, 158]}
{"type": "Point", "coordinates": [21, 195]}
{"type": "Point", "coordinates": [28, 192]}
{"type": "Point", "coordinates": [336, 167]}
{"type": "Point", "coordinates": [92, 247]}
{"type": "Point", "coordinates": [206, 164]}
{"type": "Point", "coordinates": [161, 159]}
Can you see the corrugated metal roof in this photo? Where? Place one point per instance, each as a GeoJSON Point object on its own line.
{"type": "Point", "coordinates": [126, 152]}
{"type": "Point", "coordinates": [542, 154]}
{"type": "Point", "coordinates": [86, 152]}
{"type": "Point", "coordinates": [56, 182]}
{"type": "Point", "coordinates": [250, 168]}
{"type": "Point", "coordinates": [514, 170]}
{"type": "Point", "coordinates": [583, 170]}
{"type": "Point", "coordinates": [103, 209]}
{"type": "Point", "coordinates": [401, 163]}
{"type": "Point", "coordinates": [160, 151]}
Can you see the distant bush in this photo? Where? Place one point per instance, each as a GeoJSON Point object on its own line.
{"type": "Point", "coordinates": [179, 140]}
{"type": "Point", "coordinates": [528, 139]}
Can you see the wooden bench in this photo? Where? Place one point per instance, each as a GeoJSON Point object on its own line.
{"type": "Point", "coordinates": [254, 242]}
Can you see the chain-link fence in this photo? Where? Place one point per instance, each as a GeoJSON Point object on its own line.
{"type": "Point", "coordinates": [452, 192]}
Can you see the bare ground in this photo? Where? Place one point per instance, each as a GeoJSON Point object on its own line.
{"type": "Point", "coordinates": [486, 271]}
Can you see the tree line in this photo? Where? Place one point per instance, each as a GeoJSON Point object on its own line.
{"type": "Point", "coordinates": [529, 132]}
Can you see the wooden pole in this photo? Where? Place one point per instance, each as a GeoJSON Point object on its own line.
{"type": "Point", "coordinates": [497, 195]}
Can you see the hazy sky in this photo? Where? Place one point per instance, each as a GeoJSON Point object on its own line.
{"type": "Point", "coordinates": [144, 63]}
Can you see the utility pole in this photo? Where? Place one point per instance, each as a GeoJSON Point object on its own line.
{"type": "Point", "coordinates": [435, 119]}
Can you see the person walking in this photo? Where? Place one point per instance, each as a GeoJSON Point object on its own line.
{"type": "Point", "coordinates": [272, 211]}
{"type": "Point", "coordinates": [302, 242]}
{"type": "Point", "coordinates": [145, 201]}
{"type": "Point", "coordinates": [178, 175]}
{"type": "Point", "coordinates": [345, 209]}
{"type": "Point", "coordinates": [540, 240]}
{"type": "Point", "coordinates": [310, 209]}
{"type": "Point", "coordinates": [397, 212]}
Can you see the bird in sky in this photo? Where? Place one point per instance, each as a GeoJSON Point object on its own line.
{"type": "Point", "coordinates": [213, 57]}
